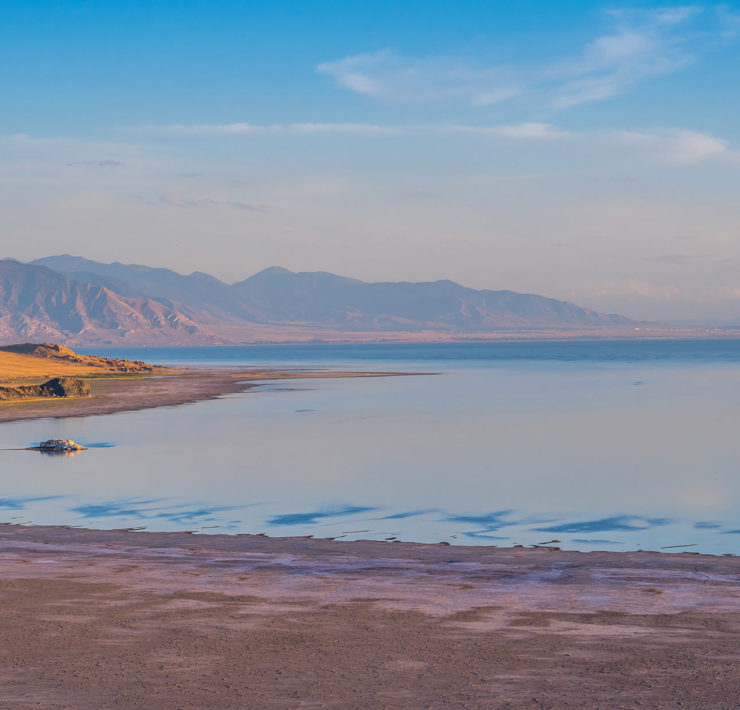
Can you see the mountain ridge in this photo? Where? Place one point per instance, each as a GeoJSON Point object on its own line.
{"type": "Point", "coordinates": [37, 303]}
{"type": "Point", "coordinates": [80, 301]}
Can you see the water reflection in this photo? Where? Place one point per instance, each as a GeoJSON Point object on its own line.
{"type": "Point", "coordinates": [21, 503]}
{"type": "Point", "coordinates": [315, 516]}
{"type": "Point", "coordinates": [618, 522]}
{"type": "Point", "coordinates": [488, 522]}
{"type": "Point", "coordinates": [511, 453]}
{"type": "Point", "coordinates": [408, 514]}
{"type": "Point", "coordinates": [151, 509]}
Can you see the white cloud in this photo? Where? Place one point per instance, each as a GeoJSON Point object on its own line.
{"type": "Point", "coordinates": [680, 147]}
{"type": "Point", "coordinates": [517, 131]}
{"type": "Point", "coordinates": [246, 129]}
{"type": "Point", "coordinates": [352, 128]}
{"type": "Point", "coordinates": [389, 76]}
{"type": "Point", "coordinates": [642, 44]}
{"type": "Point", "coordinates": [225, 129]}
{"type": "Point", "coordinates": [674, 146]}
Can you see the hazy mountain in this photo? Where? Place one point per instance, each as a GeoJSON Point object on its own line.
{"type": "Point", "coordinates": [198, 291]}
{"type": "Point", "coordinates": [77, 300]}
{"type": "Point", "coordinates": [277, 295]}
{"type": "Point", "coordinates": [39, 304]}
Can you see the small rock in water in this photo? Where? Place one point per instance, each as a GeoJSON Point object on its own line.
{"type": "Point", "coordinates": [60, 445]}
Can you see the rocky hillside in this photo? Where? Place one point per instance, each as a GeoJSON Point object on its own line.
{"type": "Point", "coordinates": [59, 354]}
{"type": "Point", "coordinates": [39, 304]}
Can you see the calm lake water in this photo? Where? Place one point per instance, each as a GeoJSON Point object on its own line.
{"type": "Point", "coordinates": [600, 445]}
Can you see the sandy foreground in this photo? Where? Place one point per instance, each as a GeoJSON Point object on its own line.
{"type": "Point", "coordinates": [172, 620]}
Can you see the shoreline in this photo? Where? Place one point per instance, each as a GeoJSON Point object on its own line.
{"type": "Point", "coordinates": [171, 387]}
{"type": "Point", "coordinates": [166, 620]}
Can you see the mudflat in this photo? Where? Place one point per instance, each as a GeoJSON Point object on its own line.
{"type": "Point", "coordinates": [96, 619]}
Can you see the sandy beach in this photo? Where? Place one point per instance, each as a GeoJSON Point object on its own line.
{"type": "Point", "coordinates": [171, 620]}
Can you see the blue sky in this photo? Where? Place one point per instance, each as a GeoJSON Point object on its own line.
{"type": "Point", "coordinates": [586, 151]}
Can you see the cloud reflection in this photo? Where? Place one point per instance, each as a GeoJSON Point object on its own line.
{"type": "Point", "coordinates": [489, 522]}
{"type": "Point", "coordinates": [617, 522]}
{"type": "Point", "coordinates": [149, 509]}
{"type": "Point", "coordinates": [20, 503]}
{"type": "Point", "coordinates": [315, 516]}
{"type": "Point", "coordinates": [408, 514]}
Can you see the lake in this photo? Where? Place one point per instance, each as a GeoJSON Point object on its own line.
{"type": "Point", "coordinates": [612, 445]}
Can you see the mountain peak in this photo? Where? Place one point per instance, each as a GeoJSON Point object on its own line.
{"type": "Point", "coordinates": [273, 271]}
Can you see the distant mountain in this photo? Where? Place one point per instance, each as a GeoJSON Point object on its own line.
{"type": "Point", "coordinates": [77, 300]}
{"type": "Point", "coordinates": [198, 291]}
{"type": "Point", "coordinates": [37, 303]}
{"type": "Point", "coordinates": [277, 295]}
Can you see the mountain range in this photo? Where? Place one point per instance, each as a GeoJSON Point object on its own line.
{"type": "Point", "coordinates": [78, 301]}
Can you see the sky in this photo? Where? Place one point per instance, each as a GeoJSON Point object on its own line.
{"type": "Point", "coordinates": [583, 151]}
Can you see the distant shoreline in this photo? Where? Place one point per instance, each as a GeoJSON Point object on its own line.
{"type": "Point", "coordinates": [299, 337]}
{"type": "Point", "coordinates": [173, 386]}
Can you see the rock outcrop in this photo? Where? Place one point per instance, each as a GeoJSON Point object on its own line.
{"type": "Point", "coordinates": [55, 387]}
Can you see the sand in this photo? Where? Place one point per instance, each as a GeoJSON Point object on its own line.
{"type": "Point", "coordinates": [172, 620]}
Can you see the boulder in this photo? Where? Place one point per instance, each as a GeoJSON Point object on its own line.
{"type": "Point", "coordinates": [65, 387]}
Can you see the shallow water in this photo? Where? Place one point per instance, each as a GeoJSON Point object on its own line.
{"type": "Point", "coordinates": [597, 445]}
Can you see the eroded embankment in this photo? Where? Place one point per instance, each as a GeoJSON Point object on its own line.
{"type": "Point", "coordinates": [53, 388]}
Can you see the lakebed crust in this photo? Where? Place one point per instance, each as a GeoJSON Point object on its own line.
{"type": "Point", "coordinates": [166, 620]}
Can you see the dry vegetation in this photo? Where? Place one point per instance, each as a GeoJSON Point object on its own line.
{"type": "Point", "coordinates": [34, 363]}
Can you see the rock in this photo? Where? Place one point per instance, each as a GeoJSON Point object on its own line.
{"type": "Point", "coordinates": [60, 445]}
{"type": "Point", "coordinates": [65, 387]}
{"type": "Point", "coordinates": [55, 387]}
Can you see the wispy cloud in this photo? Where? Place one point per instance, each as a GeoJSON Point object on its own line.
{"type": "Point", "coordinates": [640, 44]}
{"type": "Point", "coordinates": [516, 131]}
{"type": "Point", "coordinates": [519, 131]}
{"type": "Point", "coordinates": [618, 522]}
{"type": "Point", "coordinates": [389, 76]}
{"type": "Point", "coordinates": [644, 44]}
{"type": "Point", "coordinates": [247, 129]}
{"type": "Point", "coordinates": [106, 163]}
{"type": "Point", "coordinates": [187, 202]}
{"type": "Point", "coordinates": [674, 146]}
